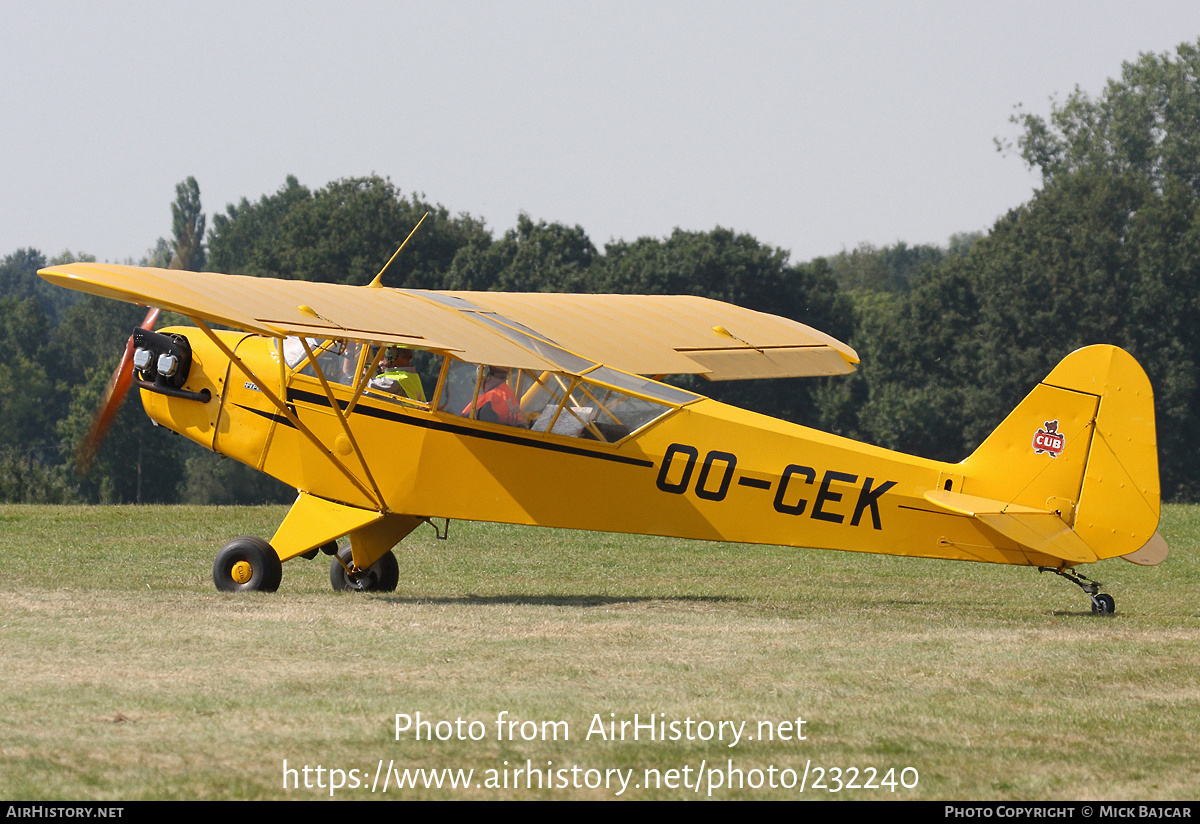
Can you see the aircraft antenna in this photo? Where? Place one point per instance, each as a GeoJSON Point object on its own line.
{"type": "Point", "coordinates": [377, 283]}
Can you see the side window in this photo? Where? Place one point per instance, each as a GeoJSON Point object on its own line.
{"type": "Point", "coordinates": [487, 390]}
{"type": "Point", "coordinates": [579, 408]}
{"type": "Point", "coordinates": [338, 359]}
{"type": "Point", "coordinates": [619, 414]}
{"type": "Point", "coordinates": [547, 402]}
{"type": "Point", "coordinates": [542, 399]}
{"type": "Point", "coordinates": [293, 350]}
{"type": "Point", "coordinates": [459, 389]}
{"type": "Point", "coordinates": [428, 366]}
{"type": "Point", "coordinates": [403, 373]}
{"type": "Point", "coordinates": [575, 413]}
{"type": "Point", "coordinates": [343, 367]}
{"type": "Point", "coordinates": [398, 374]}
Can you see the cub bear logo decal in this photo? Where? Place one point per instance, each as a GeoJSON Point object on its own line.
{"type": "Point", "coordinates": [1049, 440]}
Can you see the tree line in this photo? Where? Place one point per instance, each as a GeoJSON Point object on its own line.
{"type": "Point", "coordinates": [1107, 250]}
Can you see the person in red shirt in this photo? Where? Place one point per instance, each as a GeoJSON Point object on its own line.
{"type": "Point", "coordinates": [497, 403]}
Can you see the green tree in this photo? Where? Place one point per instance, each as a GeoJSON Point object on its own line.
{"type": "Point", "coordinates": [916, 389]}
{"type": "Point", "coordinates": [187, 225]}
{"type": "Point", "coordinates": [19, 279]}
{"type": "Point", "coordinates": [531, 257]}
{"type": "Point", "coordinates": [737, 268]}
{"type": "Point", "coordinates": [343, 233]}
{"type": "Point", "coordinates": [1108, 251]}
{"type": "Point", "coordinates": [1118, 231]}
{"type": "Point", "coordinates": [24, 390]}
{"type": "Point", "coordinates": [891, 268]}
{"type": "Point", "coordinates": [159, 255]}
{"type": "Point", "coordinates": [27, 480]}
{"type": "Point", "coordinates": [32, 393]}
{"type": "Point", "coordinates": [1146, 122]}
{"type": "Point", "coordinates": [210, 478]}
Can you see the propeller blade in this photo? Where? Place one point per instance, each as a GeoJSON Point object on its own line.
{"type": "Point", "coordinates": [110, 404]}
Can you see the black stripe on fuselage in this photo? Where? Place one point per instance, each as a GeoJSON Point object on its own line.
{"type": "Point", "coordinates": [271, 416]}
{"type": "Point", "coordinates": [445, 426]}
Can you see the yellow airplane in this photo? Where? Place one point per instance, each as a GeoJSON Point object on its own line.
{"type": "Point", "coordinates": [537, 409]}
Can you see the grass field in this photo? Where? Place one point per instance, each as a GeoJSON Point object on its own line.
{"type": "Point", "coordinates": [127, 676]}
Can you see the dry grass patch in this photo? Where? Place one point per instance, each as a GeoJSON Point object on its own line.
{"type": "Point", "coordinates": [127, 676]}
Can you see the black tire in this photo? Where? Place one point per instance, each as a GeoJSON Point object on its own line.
{"type": "Point", "coordinates": [1104, 604]}
{"type": "Point", "coordinates": [381, 576]}
{"type": "Point", "coordinates": [265, 569]}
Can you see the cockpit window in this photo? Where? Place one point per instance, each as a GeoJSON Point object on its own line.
{"type": "Point", "coordinates": [397, 374]}
{"type": "Point", "coordinates": [550, 403]}
{"type": "Point", "coordinates": [555, 354]}
{"type": "Point", "coordinates": [643, 386]}
{"type": "Point", "coordinates": [338, 360]}
{"type": "Point", "coordinates": [602, 404]}
{"type": "Point", "coordinates": [579, 408]}
{"type": "Point", "coordinates": [405, 375]}
{"type": "Point", "coordinates": [293, 350]}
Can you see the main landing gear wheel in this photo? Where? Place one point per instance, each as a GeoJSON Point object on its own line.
{"type": "Point", "coordinates": [381, 576]}
{"type": "Point", "coordinates": [247, 563]}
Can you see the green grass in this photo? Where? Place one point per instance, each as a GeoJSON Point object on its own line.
{"type": "Point", "coordinates": [127, 676]}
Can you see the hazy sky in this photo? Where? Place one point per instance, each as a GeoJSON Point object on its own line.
{"type": "Point", "coordinates": [813, 126]}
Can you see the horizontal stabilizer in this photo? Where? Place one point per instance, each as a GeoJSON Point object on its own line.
{"type": "Point", "coordinates": [1152, 554]}
{"type": "Point", "coordinates": [1040, 530]}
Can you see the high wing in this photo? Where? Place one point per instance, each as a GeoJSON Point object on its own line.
{"type": "Point", "coordinates": [674, 334]}
{"type": "Point", "coordinates": [640, 334]}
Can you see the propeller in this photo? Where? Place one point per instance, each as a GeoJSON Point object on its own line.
{"type": "Point", "coordinates": [110, 404]}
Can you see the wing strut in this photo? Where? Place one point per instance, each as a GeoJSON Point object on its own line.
{"type": "Point", "coordinates": [365, 376]}
{"type": "Point", "coordinates": [287, 412]}
{"type": "Point", "coordinates": [337, 410]}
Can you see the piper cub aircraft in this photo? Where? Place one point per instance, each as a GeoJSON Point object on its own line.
{"type": "Point", "coordinates": [538, 409]}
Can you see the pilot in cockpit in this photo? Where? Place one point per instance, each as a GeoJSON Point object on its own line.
{"type": "Point", "coordinates": [497, 403]}
{"type": "Point", "coordinates": [397, 375]}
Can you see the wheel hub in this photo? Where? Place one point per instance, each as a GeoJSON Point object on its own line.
{"type": "Point", "coordinates": [241, 572]}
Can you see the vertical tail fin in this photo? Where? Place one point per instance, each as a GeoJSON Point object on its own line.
{"type": "Point", "coordinates": [1082, 444]}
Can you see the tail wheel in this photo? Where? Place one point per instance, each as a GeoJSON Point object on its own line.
{"type": "Point", "coordinates": [247, 563]}
{"type": "Point", "coordinates": [381, 576]}
{"type": "Point", "coordinates": [1102, 602]}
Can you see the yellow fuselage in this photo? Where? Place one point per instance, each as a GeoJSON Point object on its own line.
{"type": "Point", "coordinates": [705, 470]}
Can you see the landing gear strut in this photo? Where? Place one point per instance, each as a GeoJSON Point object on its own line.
{"type": "Point", "coordinates": [1102, 602]}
